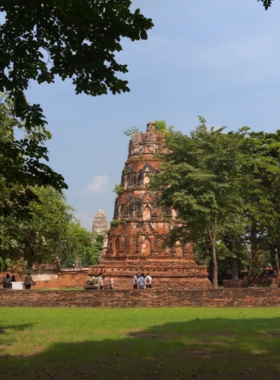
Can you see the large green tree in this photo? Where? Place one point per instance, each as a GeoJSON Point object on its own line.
{"type": "Point", "coordinates": [22, 165]}
{"type": "Point", "coordinates": [78, 243]}
{"type": "Point", "coordinates": [49, 231]}
{"type": "Point", "coordinates": [22, 160]}
{"type": "Point", "coordinates": [260, 190]}
{"type": "Point", "coordinates": [199, 178]}
{"type": "Point", "coordinates": [225, 187]}
{"type": "Point", "coordinates": [74, 39]}
{"type": "Point", "coordinates": [58, 233]}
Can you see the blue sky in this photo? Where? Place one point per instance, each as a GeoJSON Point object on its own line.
{"type": "Point", "coordinates": [219, 59]}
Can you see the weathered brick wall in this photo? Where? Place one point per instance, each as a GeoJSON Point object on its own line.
{"type": "Point", "coordinates": [64, 280]}
{"type": "Point", "coordinates": [236, 283]}
{"type": "Point", "coordinates": [256, 297]}
{"type": "Point", "coordinates": [124, 282]}
{"type": "Point", "coordinates": [251, 281]}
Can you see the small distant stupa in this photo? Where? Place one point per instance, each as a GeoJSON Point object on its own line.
{"type": "Point", "coordinates": [100, 224]}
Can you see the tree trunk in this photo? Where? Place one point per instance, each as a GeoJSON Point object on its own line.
{"type": "Point", "coordinates": [212, 233]}
{"type": "Point", "coordinates": [254, 244]}
{"type": "Point", "coordinates": [215, 265]}
{"type": "Point", "coordinates": [278, 260]}
{"type": "Point", "coordinates": [273, 257]}
{"type": "Point", "coordinates": [234, 271]}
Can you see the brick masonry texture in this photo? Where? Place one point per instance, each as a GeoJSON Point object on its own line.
{"type": "Point", "coordinates": [136, 238]}
{"type": "Point", "coordinates": [123, 278]}
{"type": "Point", "coordinates": [257, 297]}
{"type": "Point", "coordinates": [64, 280]}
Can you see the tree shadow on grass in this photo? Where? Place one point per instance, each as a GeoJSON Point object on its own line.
{"type": "Point", "coordinates": [19, 327]}
{"type": "Point", "coordinates": [220, 349]}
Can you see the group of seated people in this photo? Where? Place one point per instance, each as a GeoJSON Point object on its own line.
{"type": "Point", "coordinates": [98, 282]}
{"type": "Point", "coordinates": [8, 280]}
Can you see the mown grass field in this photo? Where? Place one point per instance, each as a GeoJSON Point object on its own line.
{"type": "Point", "coordinates": [174, 343]}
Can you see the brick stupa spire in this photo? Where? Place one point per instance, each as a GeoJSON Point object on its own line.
{"type": "Point", "coordinates": [135, 242]}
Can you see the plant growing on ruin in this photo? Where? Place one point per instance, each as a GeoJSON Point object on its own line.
{"type": "Point", "coordinates": [130, 132]}
{"type": "Point", "coordinates": [161, 127]}
{"type": "Point", "coordinates": [117, 222]}
{"type": "Point", "coordinates": [119, 189]}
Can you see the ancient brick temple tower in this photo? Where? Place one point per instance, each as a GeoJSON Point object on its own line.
{"type": "Point", "coordinates": [135, 242]}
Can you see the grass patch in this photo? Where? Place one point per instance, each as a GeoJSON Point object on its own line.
{"type": "Point", "coordinates": [166, 343]}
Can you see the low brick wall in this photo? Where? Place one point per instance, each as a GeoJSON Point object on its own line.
{"type": "Point", "coordinates": [252, 281]}
{"type": "Point", "coordinates": [236, 283]}
{"type": "Point", "coordinates": [74, 279]}
{"type": "Point", "coordinates": [256, 297]}
{"type": "Point", "coordinates": [63, 279]}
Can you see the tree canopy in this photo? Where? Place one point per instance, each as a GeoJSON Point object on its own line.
{"type": "Point", "coordinates": [50, 231]}
{"type": "Point", "coordinates": [22, 167]}
{"type": "Point", "coordinates": [21, 160]}
{"type": "Point", "coordinates": [266, 3]}
{"type": "Point", "coordinates": [66, 38]}
{"type": "Point", "coordinates": [199, 181]}
{"type": "Point", "coordinates": [225, 189]}
{"type": "Point", "coordinates": [260, 189]}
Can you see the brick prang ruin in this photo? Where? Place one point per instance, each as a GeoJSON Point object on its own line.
{"type": "Point", "coordinates": [136, 236]}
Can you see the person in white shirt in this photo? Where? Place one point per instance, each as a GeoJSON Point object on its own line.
{"type": "Point", "coordinates": [111, 283]}
{"type": "Point", "coordinates": [135, 281]}
{"type": "Point", "coordinates": [91, 280]}
{"type": "Point", "coordinates": [101, 282]}
{"type": "Point", "coordinates": [141, 281]}
{"type": "Point", "coordinates": [148, 281]}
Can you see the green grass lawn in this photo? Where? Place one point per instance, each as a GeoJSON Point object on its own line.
{"type": "Point", "coordinates": [174, 343]}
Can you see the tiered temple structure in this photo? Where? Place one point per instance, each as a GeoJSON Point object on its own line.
{"type": "Point", "coordinates": [100, 227]}
{"type": "Point", "coordinates": [135, 241]}
{"type": "Point", "coordinates": [100, 223]}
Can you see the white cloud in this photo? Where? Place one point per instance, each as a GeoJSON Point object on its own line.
{"type": "Point", "coordinates": [85, 219]}
{"type": "Point", "coordinates": [99, 184]}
